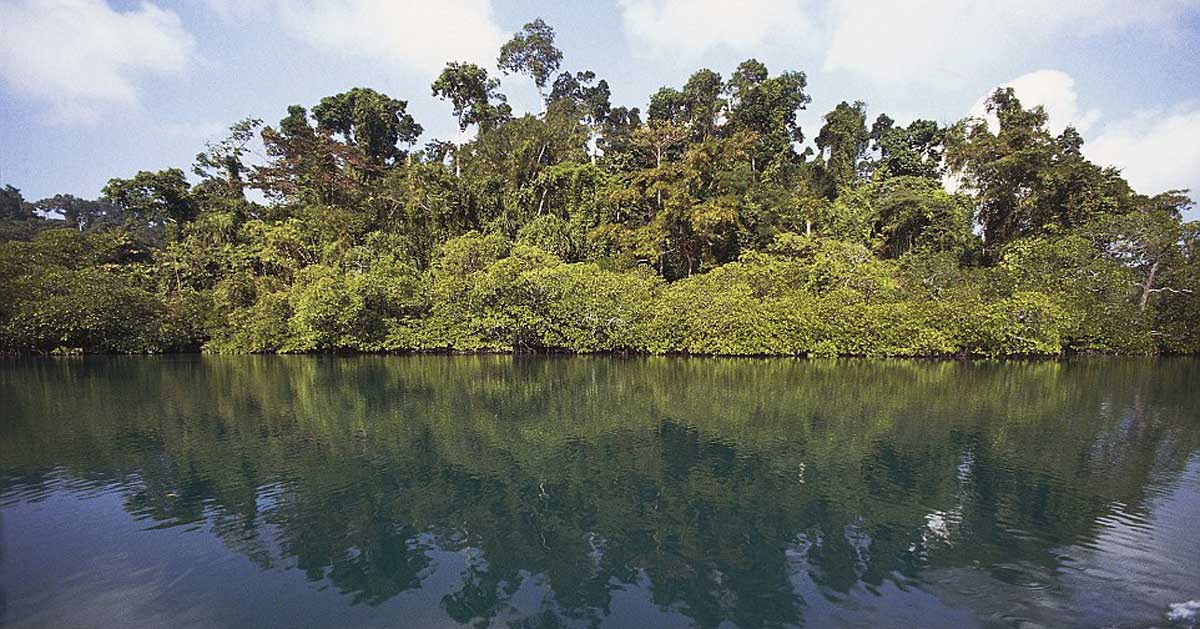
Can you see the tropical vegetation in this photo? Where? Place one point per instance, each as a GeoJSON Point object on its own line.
{"type": "Point", "coordinates": [704, 224]}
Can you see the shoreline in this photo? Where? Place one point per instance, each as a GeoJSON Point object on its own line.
{"type": "Point", "coordinates": [961, 357]}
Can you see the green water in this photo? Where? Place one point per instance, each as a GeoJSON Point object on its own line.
{"type": "Point", "coordinates": [544, 492]}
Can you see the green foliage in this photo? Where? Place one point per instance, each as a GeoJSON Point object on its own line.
{"type": "Point", "coordinates": [916, 212]}
{"type": "Point", "coordinates": [86, 309]}
{"type": "Point", "coordinates": [370, 121]}
{"type": "Point", "coordinates": [843, 142]}
{"type": "Point", "coordinates": [553, 235]}
{"type": "Point", "coordinates": [220, 165]}
{"type": "Point", "coordinates": [1027, 180]}
{"type": "Point", "coordinates": [473, 95]}
{"type": "Point", "coordinates": [159, 201]}
{"type": "Point", "coordinates": [701, 230]}
{"type": "Point", "coordinates": [531, 52]}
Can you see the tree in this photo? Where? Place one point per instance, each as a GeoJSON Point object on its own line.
{"type": "Point", "coordinates": [703, 103]}
{"type": "Point", "coordinates": [843, 142]}
{"type": "Point", "coordinates": [161, 198]}
{"type": "Point", "coordinates": [531, 51]}
{"type": "Point", "coordinates": [222, 161]}
{"type": "Point", "coordinates": [917, 213]}
{"type": "Point", "coordinates": [1024, 178]}
{"type": "Point", "coordinates": [18, 219]}
{"type": "Point", "coordinates": [473, 95]}
{"type": "Point", "coordinates": [588, 99]}
{"type": "Point", "coordinates": [661, 142]}
{"type": "Point", "coordinates": [308, 164]}
{"type": "Point", "coordinates": [618, 128]}
{"type": "Point", "coordinates": [1149, 241]}
{"type": "Point", "coordinates": [82, 214]}
{"type": "Point", "coordinates": [912, 151]}
{"type": "Point", "coordinates": [668, 105]}
{"type": "Point", "coordinates": [13, 205]}
{"type": "Point", "coordinates": [767, 106]}
{"type": "Point", "coordinates": [372, 122]}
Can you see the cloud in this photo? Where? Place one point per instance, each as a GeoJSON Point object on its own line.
{"type": "Point", "coordinates": [1054, 90]}
{"type": "Point", "coordinates": [196, 132]}
{"type": "Point", "coordinates": [1156, 149]}
{"type": "Point", "coordinates": [691, 27]}
{"type": "Point", "coordinates": [933, 41]}
{"type": "Point", "coordinates": [405, 36]}
{"type": "Point", "coordinates": [81, 56]}
{"type": "Point", "coordinates": [923, 42]}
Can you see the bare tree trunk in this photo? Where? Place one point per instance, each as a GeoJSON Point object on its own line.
{"type": "Point", "coordinates": [1148, 287]}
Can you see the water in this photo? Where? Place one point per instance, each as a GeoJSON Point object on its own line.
{"type": "Point", "coordinates": [541, 492]}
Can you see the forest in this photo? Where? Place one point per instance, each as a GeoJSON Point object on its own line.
{"type": "Point", "coordinates": [704, 224]}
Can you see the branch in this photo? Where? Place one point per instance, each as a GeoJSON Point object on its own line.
{"type": "Point", "coordinates": [1171, 290]}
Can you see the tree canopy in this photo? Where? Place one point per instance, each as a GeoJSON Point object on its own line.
{"type": "Point", "coordinates": [702, 221]}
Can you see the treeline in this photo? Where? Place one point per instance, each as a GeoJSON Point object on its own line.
{"type": "Point", "coordinates": [696, 226]}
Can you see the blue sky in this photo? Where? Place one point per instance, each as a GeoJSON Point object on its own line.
{"type": "Point", "coordinates": [93, 89]}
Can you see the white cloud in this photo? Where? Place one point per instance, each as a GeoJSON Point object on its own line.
{"type": "Point", "coordinates": [241, 9]}
{"type": "Point", "coordinates": [1054, 90]}
{"type": "Point", "coordinates": [929, 42]}
{"type": "Point", "coordinates": [406, 36]}
{"type": "Point", "coordinates": [934, 41]}
{"type": "Point", "coordinates": [1156, 149]}
{"type": "Point", "coordinates": [691, 27]}
{"type": "Point", "coordinates": [196, 133]}
{"type": "Point", "coordinates": [80, 56]}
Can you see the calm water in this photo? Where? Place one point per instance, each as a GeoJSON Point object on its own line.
{"type": "Point", "coordinates": [544, 492]}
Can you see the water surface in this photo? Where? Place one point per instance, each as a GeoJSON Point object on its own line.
{"type": "Point", "coordinates": [546, 492]}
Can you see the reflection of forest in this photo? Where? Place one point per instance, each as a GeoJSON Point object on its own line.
{"type": "Point", "coordinates": [714, 479]}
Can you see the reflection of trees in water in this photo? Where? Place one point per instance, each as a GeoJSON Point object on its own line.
{"type": "Point", "coordinates": [704, 476]}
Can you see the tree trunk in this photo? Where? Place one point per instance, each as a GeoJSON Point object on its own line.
{"type": "Point", "coordinates": [657, 175]}
{"type": "Point", "coordinates": [1148, 287]}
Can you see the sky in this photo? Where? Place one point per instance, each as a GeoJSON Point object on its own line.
{"type": "Point", "coordinates": [94, 89]}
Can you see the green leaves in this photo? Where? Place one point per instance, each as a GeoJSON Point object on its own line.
{"type": "Point", "coordinates": [474, 96]}
{"type": "Point", "coordinates": [585, 229]}
{"type": "Point", "coordinates": [531, 51]}
{"type": "Point", "coordinates": [371, 121]}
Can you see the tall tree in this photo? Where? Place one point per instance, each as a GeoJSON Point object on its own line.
{"type": "Point", "coordinates": [372, 122]}
{"type": "Point", "coordinates": [704, 103]}
{"type": "Point", "coordinates": [588, 99]}
{"type": "Point", "coordinates": [917, 213]}
{"type": "Point", "coordinates": [1026, 179]}
{"type": "Point", "coordinates": [13, 205]}
{"type": "Point", "coordinates": [307, 164]}
{"type": "Point", "coordinates": [667, 105]}
{"type": "Point", "coordinates": [221, 161]}
{"type": "Point", "coordinates": [531, 51]}
{"type": "Point", "coordinates": [617, 131]}
{"type": "Point", "coordinates": [767, 106]}
{"type": "Point", "coordinates": [474, 96]}
{"type": "Point", "coordinates": [1149, 240]}
{"type": "Point", "coordinates": [843, 141]}
{"type": "Point", "coordinates": [81, 214]}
